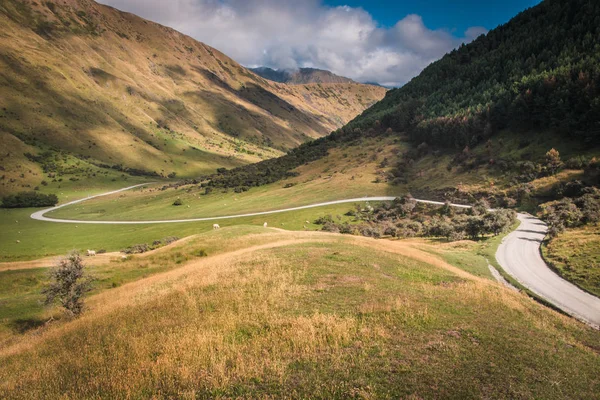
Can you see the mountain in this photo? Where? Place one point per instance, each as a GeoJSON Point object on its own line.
{"type": "Point", "coordinates": [479, 121]}
{"type": "Point", "coordinates": [539, 71]}
{"type": "Point", "coordinates": [86, 87]}
{"type": "Point", "coordinates": [300, 76]}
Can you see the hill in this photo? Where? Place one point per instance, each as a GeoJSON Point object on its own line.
{"type": "Point", "coordinates": [301, 76]}
{"type": "Point", "coordinates": [484, 115]}
{"type": "Point", "coordinates": [480, 123]}
{"type": "Point", "coordinates": [295, 314]}
{"type": "Point", "coordinates": [88, 90]}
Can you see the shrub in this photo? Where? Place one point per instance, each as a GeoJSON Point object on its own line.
{"type": "Point", "coordinates": [330, 227]}
{"type": "Point", "coordinates": [29, 199]}
{"type": "Point", "coordinates": [323, 220]}
{"type": "Point", "coordinates": [170, 239]}
{"type": "Point", "coordinates": [579, 162]}
{"type": "Point", "coordinates": [200, 253]}
{"type": "Point", "coordinates": [136, 249]}
{"type": "Point", "coordinates": [178, 202]}
{"type": "Point", "coordinates": [69, 282]}
{"type": "Point", "coordinates": [553, 162]}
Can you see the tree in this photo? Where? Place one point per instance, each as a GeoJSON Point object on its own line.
{"type": "Point", "coordinates": [553, 162]}
{"type": "Point", "coordinates": [69, 282]}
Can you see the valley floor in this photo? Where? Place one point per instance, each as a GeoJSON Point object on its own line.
{"type": "Point", "coordinates": [303, 314]}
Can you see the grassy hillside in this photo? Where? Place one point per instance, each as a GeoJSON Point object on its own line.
{"type": "Point", "coordinates": [142, 98]}
{"type": "Point", "coordinates": [304, 315]}
{"type": "Point", "coordinates": [489, 108]}
{"type": "Point", "coordinates": [575, 255]}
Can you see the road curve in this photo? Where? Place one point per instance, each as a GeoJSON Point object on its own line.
{"type": "Point", "coordinates": [39, 215]}
{"type": "Point", "coordinates": [519, 255]}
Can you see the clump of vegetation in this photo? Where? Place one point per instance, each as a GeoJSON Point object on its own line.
{"type": "Point", "coordinates": [178, 202]}
{"type": "Point", "coordinates": [572, 212]}
{"type": "Point", "coordinates": [145, 247]}
{"type": "Point", "coordinates": [69, 282]}
{"type": "Point", "coordinates": [29, 199]}
{"type": "Point", "coordinates": [404, 217]}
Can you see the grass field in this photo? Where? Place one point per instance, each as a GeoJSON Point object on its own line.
{"type": "Point", "coordinates": [304, 314]}
{"type": "Point", "coordinates": [39, 239]}
{"type": "Point", "coordinates": [575, 255]}
{"type": "Point", "coordinates": [345, 173]}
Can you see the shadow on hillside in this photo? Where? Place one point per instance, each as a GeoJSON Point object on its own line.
{"type": "Point", "coordinates": [261, 97]}
{"type": "Point", "coordinates": [233, 119]}
{"type": "Point", "coordinates": [23, 325]}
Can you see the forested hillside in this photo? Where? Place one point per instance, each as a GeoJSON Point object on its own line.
{"type": "Point", "coordinates": [540, 70]}
{"type": "Point", "coordinates": [536, 76]}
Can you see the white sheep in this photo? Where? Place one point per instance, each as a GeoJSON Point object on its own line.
{"type": "Point", "coordinates": [216, 226]}
{"type": "Point", "coordinates": [91, 253]}
{"type": "Point", "coordinates": [265, 225]}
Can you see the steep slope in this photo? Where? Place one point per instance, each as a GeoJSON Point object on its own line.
{"type": "Point", "coordinates": [539, 71]}
{"type": "Point", "coordinates": [436, 139]}
{"type": "Point", "coordinates": [484, 115]}
{"type": "Point", "coordinates": [301, 76]}
{"type": "Point", "coordinates": [108, 88]}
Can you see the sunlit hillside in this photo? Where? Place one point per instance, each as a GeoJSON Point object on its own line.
{"type": "Point", "coordinates": [111, 90]}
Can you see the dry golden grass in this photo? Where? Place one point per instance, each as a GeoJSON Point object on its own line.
{"type": "Point", "coordinates": [131, 75]}
{"type": "Point", "coordinates": [305, 314]}
{"type": "Point", "coordinates": [575, 255]}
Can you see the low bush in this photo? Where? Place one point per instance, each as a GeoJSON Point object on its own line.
{"type": "Point", "coordinates": [404, 217]}
{"type": "Point", "coordinates": [29, 199]}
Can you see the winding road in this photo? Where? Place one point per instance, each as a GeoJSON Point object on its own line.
{"type": "Point", "coordinates": [39, 215]}
{"type": "Point", "coordinates": [519, 254]}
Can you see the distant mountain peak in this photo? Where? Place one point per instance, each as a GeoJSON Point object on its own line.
{"type": "Point", "coordinates": [300, 76]}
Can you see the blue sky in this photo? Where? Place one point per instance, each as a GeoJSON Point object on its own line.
{"type": "Point", "coordinates": [388, 42]}
{"type": "Point", "coordinates": [454, 16]}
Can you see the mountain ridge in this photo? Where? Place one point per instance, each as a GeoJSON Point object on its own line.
{"type": "Point", "coordinates": [142, 97]}
{"type": "Point", "coordinates": [300, 76]}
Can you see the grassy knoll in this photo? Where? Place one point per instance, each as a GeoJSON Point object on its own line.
{"type": "Point", "coordinates": [305, 314]}
{"type": "Point", "coordinates": [575, 255]}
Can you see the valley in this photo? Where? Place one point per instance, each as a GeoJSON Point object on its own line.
{"type": "Point", "coordinates": [279, 232]}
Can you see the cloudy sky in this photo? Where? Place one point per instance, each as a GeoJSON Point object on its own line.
{"type": "Point", "coordinates": [383, 41]}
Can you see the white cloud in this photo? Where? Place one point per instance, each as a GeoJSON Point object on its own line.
{"type": "Point", "coordinates": [293, 34]}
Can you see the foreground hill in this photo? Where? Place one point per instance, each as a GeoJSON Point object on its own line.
{"type": "Point", "coordinates": [110, 89]}
{"type": "Point", "coordinates": [300, 314]}
{"type": "Point", "coordinates": [301, 76]}
{"type": "Point", "coordinates": [478, 124]}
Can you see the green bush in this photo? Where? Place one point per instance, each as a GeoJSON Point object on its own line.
{"type": "Point", "coordinates": [29, 199]}
{"type": "Point", "coordinates": [178, 202]}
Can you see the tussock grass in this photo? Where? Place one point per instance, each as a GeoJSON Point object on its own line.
{"type": "Point", "coordinates": [306, 315]}
{"type": "Point", "coordinates": [575, 255]}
